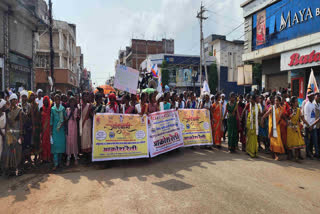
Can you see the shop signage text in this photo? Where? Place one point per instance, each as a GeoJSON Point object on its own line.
{"type": "Point", "coordinates": [298, 17]}
{"type": "Point", "coordinates": [296, 59]}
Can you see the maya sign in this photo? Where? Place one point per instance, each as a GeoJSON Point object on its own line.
{"type": "Point", "coordinates": [301, 58]}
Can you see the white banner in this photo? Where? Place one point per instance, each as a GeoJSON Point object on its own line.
{"type": "Point", "coordinates": [164, 132]}
{"type": "Point", "coordinates": [126, 79]}
{"type": "Point", "coordinates": [301, 58]}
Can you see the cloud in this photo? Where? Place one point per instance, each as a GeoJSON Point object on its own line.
{"type": "Point", "coordinates": [103, 27]}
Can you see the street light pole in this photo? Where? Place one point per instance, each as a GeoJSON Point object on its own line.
{"type": "Point", "coordinates": [51, 45]}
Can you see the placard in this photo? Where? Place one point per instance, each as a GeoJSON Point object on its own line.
{"type": "Point", "coordinates": [164, 132]}
{"type": "Point", "coordinates": [196, 127]}
{"type": "Point", "coordinates": [126, 79]}
{"type": "Point", "coordinates": [119, 136]}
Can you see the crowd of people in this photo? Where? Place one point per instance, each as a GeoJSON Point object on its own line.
{"type": "Point", "coordinates": [55, 129]}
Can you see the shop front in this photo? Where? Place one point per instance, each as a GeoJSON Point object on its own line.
{"type": "Point", "coordinates": [299, 63]}
{"type": "Point", "coordinates": [20, 72]}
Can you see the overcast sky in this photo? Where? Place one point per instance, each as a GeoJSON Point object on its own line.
{"type": "Point", "coordinates": [105, 26]}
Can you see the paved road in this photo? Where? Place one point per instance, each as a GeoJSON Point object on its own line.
{"type": "Point", "coordinates": [187, 181]}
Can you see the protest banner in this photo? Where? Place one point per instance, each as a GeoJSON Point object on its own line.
{"type": "Point", "coordinates": [126, 79]}
{"type": "Point", "coordinates": [164, 132]}
{"type": "Point", "coordinates": [196, 127]}
{"type": "Point", "coordinates": [119, 136]}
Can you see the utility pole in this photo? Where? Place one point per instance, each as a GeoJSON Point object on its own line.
{"type": "Point", "coordinates": [202, 55]}
{"type": "Point", "coordinates": [51, 45]}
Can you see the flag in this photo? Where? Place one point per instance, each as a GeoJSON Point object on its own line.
{"type": "Point", "coordinates": [313, 83]}
{"type": "Point", "coordinates": [205, 88]}
{"type": "Point", "coordinates": [154, 70]}
{"type": "Point", "coordinates": [159, 88]}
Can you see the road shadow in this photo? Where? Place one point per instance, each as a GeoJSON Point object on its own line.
{"type": "Point", "coordinates": [160, 166]}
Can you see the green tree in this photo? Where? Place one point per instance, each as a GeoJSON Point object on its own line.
{"type": "Point", "coordinates": [164, 73]}
{"type": "Point", "coordinates": [257, 74]}
{"type": "Point", "coordinates": [213, 77]}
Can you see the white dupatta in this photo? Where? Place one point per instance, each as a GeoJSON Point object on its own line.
{"type": "Point", "coordinates": [274, 122]}
{"type": "Point", "coordinates": [257, 108]}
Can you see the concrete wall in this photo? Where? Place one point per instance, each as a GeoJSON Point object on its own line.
{"type": "Point", "coordinates": [20, 36]}
{"type": "Point", "coordinates": [271, 66]}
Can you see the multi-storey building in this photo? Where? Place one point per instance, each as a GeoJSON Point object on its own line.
{"type": "Point", "coordinates": [228, 56]}
{"type": "Point", "coordinates": [134, 55]}
{"type": "Point", "coordinates": [19, 21]}
{"type": "Point", "coordinates": [284, 36]}
{"type": "Point", "coordinates": [65, 58]}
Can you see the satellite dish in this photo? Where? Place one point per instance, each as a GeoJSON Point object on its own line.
{"type": "Point", "coordinates": [152, 84]}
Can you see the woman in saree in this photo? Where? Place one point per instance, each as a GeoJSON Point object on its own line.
{"type": "Point", "coordinates": [275, 116]}
{"type": "Point", "coordinates": [86, 124]}
{"type": "Point", "coordinates": [45, 130]}
{"type": "Point", "coordinates": [294, 139]}
{"type": "Point", "coordinates": [241, 122]}
{"type": "Point", "coordinates": [14, 138]}
{"type": "Point", "coordinates": [36, 127]}
{"type": "Point", "coordinates": [57, 119]}
{"type": "Point", "coordinates": [27, 127]}
{"type": "Point", "coordinates": [216, 122]}
{"type": "Point", "coordinates": [153, 105]}
{"type": "Point", "coordinates": [254, 112]}
{"type": "Point", "coordinates": [232, 110]}
{"type": "Point", "coordinates": [3, 123]}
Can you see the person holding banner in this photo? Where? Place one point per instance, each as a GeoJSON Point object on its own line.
{"type": "Point", "coordinates": [153, 105]}
{"type": "Point", "coordinates": [142, 107]}
{"type": "Point", "coordinates": [232, 111]}
{"type": "Point", "coordinates": [99, 107]}
{"type": "Point", "coordinates": [216, 112]}
{"type": "Point", "coordinates": [112, 106]}
{"type": "Point", "coordinates": [241, 123]}
{"type": "Point", "coordinates": [275, 116]}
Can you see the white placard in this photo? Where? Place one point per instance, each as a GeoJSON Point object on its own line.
{"type": "Point", "coordinates": [126, 79]}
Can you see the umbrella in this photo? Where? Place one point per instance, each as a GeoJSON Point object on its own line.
{"type": "Point", "coordinates": [107, 89]}
{"type": "Point", "coordinates": [148, 90]}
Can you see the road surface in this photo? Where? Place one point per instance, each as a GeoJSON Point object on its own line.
{"type": "Point", "coordinates": [184, 181]}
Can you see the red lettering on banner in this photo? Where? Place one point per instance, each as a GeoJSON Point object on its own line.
{"type": "Point", "coordinates": [296, 59]}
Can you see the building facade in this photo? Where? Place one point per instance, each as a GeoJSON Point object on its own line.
{"type": "Point", "coordinates": [184, 70]}
{"type": "Point", "coordinates": [228, 56]}
{"type": "Point", "coordinates": [285, 37]}
{"type": "Point", "coordinates": [19, 22]}
{"type": "Point", "coordinates": [134, 55]}
{"type": "Point", "coordinates": [66, 60]}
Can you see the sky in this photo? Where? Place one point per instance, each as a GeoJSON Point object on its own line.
{"type": "Point", "coordinates": [106, 26]}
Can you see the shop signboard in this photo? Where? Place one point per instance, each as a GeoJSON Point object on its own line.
{"type": "Point", "coordinates": [283, 21]}
{"type": "Point", "coordinates": [301, 58]}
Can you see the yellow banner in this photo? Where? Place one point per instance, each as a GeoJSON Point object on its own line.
{"type": "Point", "coordinates": [196, 127]}
{"type": "Point", "coordinates": [118, 136]}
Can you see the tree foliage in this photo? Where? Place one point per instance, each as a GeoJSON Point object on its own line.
{"type": "Point", "coordinates": [164, 73]}
{"type": "Point", "coordinates": [213, 77]}
{"type": "Point", "coordinates": [257, 74]}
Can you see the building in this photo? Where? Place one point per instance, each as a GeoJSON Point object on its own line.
{"type": "Point", "coordinates": [65, 58]}
{"type": "Point", "coordinates": [79, 64]}
{"type": "Point", "coordinates": [285, 37]}
{"type": "Point", "coordinates": [228, 55]}
{"type": "Point", "coordinates": [134, 55]}
{"type": "Point", "coordinates": [184, 70]}
{"type": "Point", "coordinates": [19, 22]}
{"type": "Point", "coordinates": [85, 81]}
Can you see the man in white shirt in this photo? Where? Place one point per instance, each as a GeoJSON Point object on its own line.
{"type": "Point", "coordinates": [311, 131]}
{"type": "Point", "coordinates": [39, 98]}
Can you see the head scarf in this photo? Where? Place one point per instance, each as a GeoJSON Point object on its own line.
{"type": "Point", "coordinates": [38, 91]}
{"type": "Point", "coordinates": [13, 96]}
{"type": "Point", "coordinates": [29, 94]}
{"type": "Point", "coordinates": [112, 96]}
{"type": "Point", "coordinates": [115, 106]}
{"type": "Point", "coordinates": [24, 93]}
{"type": "Point", "coordinates": [2, 103]}
{"type": "Point", "coordinates": [44, 108]}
